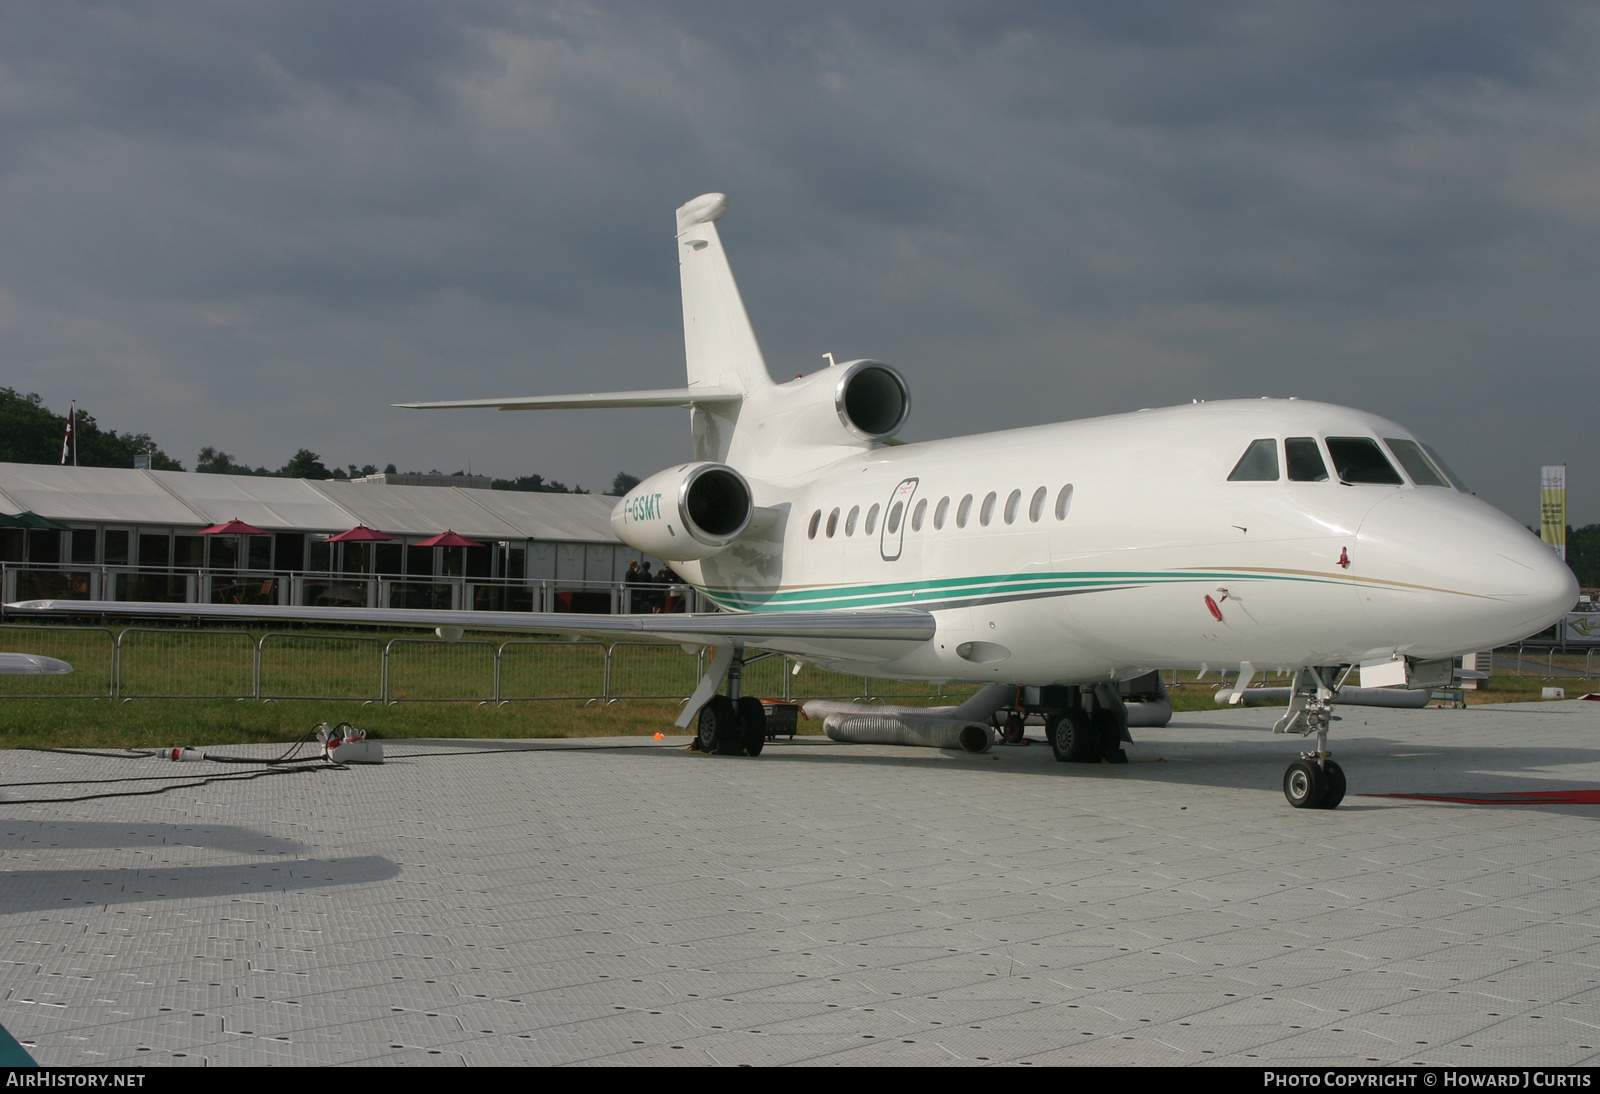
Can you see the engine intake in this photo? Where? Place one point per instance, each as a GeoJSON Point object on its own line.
{"type": "Point", "coordinates": [872, 400]}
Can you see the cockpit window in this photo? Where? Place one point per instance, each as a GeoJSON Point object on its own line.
{"type": "Point", "coordinates": [1449, 472]}
{"type": "Point", "coordinates": [1409, 453]}
{"type": "Point", "coordinates": [1305, 460]}
{"type": "Point", "coordinates": [1258, 464]}
{"type": "Point", "coordinates": [1359, 459]}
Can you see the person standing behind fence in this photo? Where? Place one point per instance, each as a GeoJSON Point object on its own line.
{"type": "Point", "coordinates": [671, 591]}
{"type": "Point", "coordinates": [650, 600]}
{"type": "Point", "coordinates": [630, 586]}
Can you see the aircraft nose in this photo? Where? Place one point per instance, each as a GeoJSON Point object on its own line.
{"type": "Point", "coordinates": [1460, 574]}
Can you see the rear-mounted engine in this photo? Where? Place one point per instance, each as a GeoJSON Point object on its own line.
{"type": "Point", "coordinates": [684, 513]}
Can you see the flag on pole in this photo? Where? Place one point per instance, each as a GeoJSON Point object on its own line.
{"type": "Point", "coordinates": [1553, 507]}
{"type": "Point", "coordinates": [69, 446]}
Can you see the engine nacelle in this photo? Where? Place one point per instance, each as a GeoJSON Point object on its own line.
{"type": "Point", "coordinates": [847, 404]}
{"type": "Point", "coordinates": [685, 513]}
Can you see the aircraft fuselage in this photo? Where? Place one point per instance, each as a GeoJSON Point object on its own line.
{"type": "Point", "coordinates": [1073, 552]}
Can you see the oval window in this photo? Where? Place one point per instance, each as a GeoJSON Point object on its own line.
{"type": "Point", "coordinates": [833, 523]}
{"type": "Point", "coordinates": [964, 512]}
{"type": "Point", "coordinates": [1064, 502]}
{"type": "Point", "coordinates": [850, 521]}
{"type": "Point", "coordinates": [1036, 506]}
{"type": "Point", "coordinates": [892, 525]}
{"type": "Point", "coordinates": [941, 512]}
{"type": "Point", "coordinates": [872, 520]}
{"type": "Point", "coordinates": [816, 519]}
{"type": "Point", "coordinates": [986, 514]}
{"type": "Point", "coordinates": [1013, 503]}
{"type": "Point", "coordinates": [917, 514]}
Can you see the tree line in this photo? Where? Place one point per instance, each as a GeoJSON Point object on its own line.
{"type": "Point", "coordinates": [31, 432]}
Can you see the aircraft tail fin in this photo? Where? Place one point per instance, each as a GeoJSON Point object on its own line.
{"type": "Point", "coordinates": [720, 346]}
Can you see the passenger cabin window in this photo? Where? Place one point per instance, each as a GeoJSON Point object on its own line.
{"type": "Point", "coordinates": [1258, 464]}
{"type": "Point", "coordinates": [850, 521]}
{"type": "Point", "coordinates": [892, 525]}
{"type": "Point", "coordinates": [940, 513]}
{"type": "Point", "coordinates": [986, 514]}
{"type": "Point", "coordinates": [872, 520]}
{"type": "Point", "coordinates": [1360, 460]}
{"type": "Point", "coordinates": [918, 514]}
{"type": "Point", "coordinates": [1064, 502]}
{"type": "Point", "coordinates": [833, 523]}
{"type": "Point", "coordinates": [1013, 503]}
{"type": "Point", "coordinates": [1305, 460]}
{"type": "Point", "coordinates": [1036, 506]}
{"type": "Point", "coordinates": [1409, 453]}
{"type": "Point", "coordinates": [816, 519]}
{"type": "Point", "coordinates": [964, 512]}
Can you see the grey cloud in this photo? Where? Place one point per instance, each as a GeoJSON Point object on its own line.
{"type": "Point", "coordinates": [262, 223]}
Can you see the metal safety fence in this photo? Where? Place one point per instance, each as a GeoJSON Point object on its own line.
{"type": "Point", "coordinates": [1546, 662]}
{"type": "Point", "coordinates": [204, 663]}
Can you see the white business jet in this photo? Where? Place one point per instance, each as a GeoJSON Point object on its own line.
{"type": "Point", "coordinates": [1061, 559]}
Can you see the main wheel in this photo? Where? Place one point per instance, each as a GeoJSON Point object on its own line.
{"type": "Point", "coordinates": [752, 724]}
{"type": "Point", "coordinates": [1305, 785]}
{"type": "Point", "coordinates": [1070, 738]}
{"type": "Point", "coordinates": [1012, 732]}
{"type": "Point", "coordinates": [1107, 730]}
{"type": "Point", "coordinates": [1335, 777]}
{"type": "Point", "coordinates": [718, 724]}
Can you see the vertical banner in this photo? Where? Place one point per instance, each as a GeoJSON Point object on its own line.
{"type": "Point", "coordinates": [1553, 508]}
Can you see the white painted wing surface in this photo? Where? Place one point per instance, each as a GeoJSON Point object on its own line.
{"type": "Point", "coordinates": [711, 628]}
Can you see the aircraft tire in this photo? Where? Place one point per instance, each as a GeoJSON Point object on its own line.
{"type": "Point", "coordinates": [1305, 785]}
{"type": "Point", "coordinates": [719, 723]}
{"type": "Point", "coordinates": [1012, 732]}
{"type": "Point", "coordinates": [752, 725]}
{"type": "Point", "coordinates": [1070, 737]}
{"type": "Point", "coordinates": [1105, 731]}
{"type": "Point", "coordinates": [1336, 785]}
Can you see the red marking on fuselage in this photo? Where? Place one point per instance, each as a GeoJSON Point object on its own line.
{"type": "Point", "coordinates": [1216, 611]}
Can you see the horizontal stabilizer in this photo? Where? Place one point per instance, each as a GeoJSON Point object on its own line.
{"type": "Point", "coordinates": [762, 629]}
{"type": "Point", "coordinates": [679, 396]}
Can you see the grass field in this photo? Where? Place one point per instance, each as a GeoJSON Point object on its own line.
{"type": "Point", "coordinates": [441, 687]}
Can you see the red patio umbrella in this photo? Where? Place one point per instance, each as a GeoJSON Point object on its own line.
{"type": "Point", "coordinates": [235, 527]}
{"type": "Point", "coordinates": [360, 534]}
{"type": "Point", "coordinates": [449, 539]}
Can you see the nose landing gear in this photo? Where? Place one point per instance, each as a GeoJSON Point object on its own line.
{"type": "Point", "coordinates": [1313, 781]}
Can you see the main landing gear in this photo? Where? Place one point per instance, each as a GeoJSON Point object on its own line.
{"type": "Point", "coordinates": [1313, 781]}
{"type": "Point", "coordinates": [1085, 725]}
{"type": "Point", "coordinates": [727, 728]}
{"type": "Point", "coordinates": [732, 724]}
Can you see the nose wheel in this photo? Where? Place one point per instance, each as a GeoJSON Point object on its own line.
{"type": "Point", "coordinates": [1314, 782]}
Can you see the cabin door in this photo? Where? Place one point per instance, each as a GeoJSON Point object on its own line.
{"type": "Point", "coordinates": [895, 516]}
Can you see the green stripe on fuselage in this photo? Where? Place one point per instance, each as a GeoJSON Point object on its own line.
{"type": "Point", "coordinates": [932, 593]}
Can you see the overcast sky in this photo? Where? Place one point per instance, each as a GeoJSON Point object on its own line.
{"type": "Point", "coordinates": [254, 226]}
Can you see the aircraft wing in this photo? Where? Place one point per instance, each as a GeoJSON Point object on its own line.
{"type": "Point", "coordinates": [766, 630]}
{"type": "Point", "coordinates": [672, 396]}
